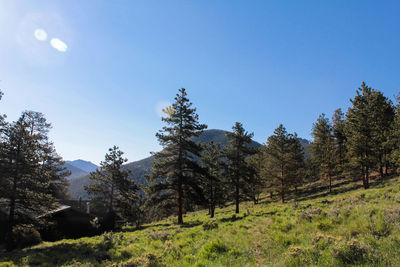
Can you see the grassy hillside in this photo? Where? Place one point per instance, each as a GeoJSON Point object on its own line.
{"type": "Point", "coordinates": [352, 226]}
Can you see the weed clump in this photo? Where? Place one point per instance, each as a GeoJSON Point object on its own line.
{"type": "Point", "coordinates": [110, 240]}
{"type": "Point", "coordinates": [159, 236]}
{"type": "Point", "coordinates": [380, 225]}
{"type": "Point", "coordinates": [213, 249]}
{"type": "Point", "coordinates": [210, 224]}
{"type": "Point", "coordinates": [350, 252]}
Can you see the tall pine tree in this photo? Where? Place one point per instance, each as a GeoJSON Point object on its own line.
{"type": "Point", "coordinates": [284, 165]}
{"type": "Point", "coordinates": [213, 182]}
{"type": "Point", "coordinates": [323, 148]}
{"type": "Point", "coordinates": [176, 172]}
{"type": "Point", "coordinates": [113, 190]}
{"type": "Point", "coordinates": [339, 134]}
{"type": "Point", "coordinates": [237, 151]}
{"type": "Point", "coordinates": [32, 172]}
{"type": "Point", "coordinates": [366, 127]}
{"type": "Point", "coordinates": [256, 183]}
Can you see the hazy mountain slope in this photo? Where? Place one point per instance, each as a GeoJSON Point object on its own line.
{"type": "Point", "coordinates": [142, 167]}
{"type": "Point", "coordinates": [75, 172]}
{"type": "Point", "coordinates": [86, 166]}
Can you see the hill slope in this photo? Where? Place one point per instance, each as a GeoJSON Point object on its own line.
{"type": "Point", "coordinates": [75, 172]}
{"type": "Point", "coordinates": [352, 226]}
{"type": "Point", "coordinates": [86, 166]}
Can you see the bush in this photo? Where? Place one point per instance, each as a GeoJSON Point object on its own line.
{"type": "Point", "coordinates": [159, 236]}
{"type": "Point", "coordinates": [324, 225]}
{"type": "Point", "coordinates": [211, 224]}
{"type": "Point", "coordinates": [350, 253]}
{"type": "Point", "coordinates": [380, 225]}
{"type": "Point", "coordinates": [25, 235]}
{"type": "Point", "coordinates": [110, 239]}
{"type": "Point", "coordinates": [212, 249]}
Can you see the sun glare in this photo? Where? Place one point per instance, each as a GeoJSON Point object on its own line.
{"type": "Point", "coordinates": [40, 34]}
{"type": "Point", "coordinates": [58, 44]}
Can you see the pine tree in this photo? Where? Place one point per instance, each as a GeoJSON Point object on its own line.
{"type": "Point", "coordinates": [297, 165]}
{"type": "Point", "coordinates": [395, 136]}
{"type": "Point", "coordinates": [323, 148]}
{"type": "Point", "coordinates": [256, 183]}
{"type": "Point", "coordinates": [213, 183]}
{"type": "Point", "coordinates": [112, 189]}
{"type": "Point", "coordinates": [237, 151]}
{"type": "Point", "coordinates": [366, 127]}
{"type": "Point", "coordinates": [339, 134]}
{"type": "Point", "coordinates": [284, 161]}
{"type": "Point", "coordinates": [32, 171]}
{"type": "Point", "coordinates": [175, 174]}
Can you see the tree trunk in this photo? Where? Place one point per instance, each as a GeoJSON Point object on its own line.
{"type": "Point", "coordinates": [366, 179]}
{"type": "Point", "coordinates": [330, 183]}
{"type": "Point", "coordinates": [180, 213]}
{"type": "Point", "coordinates": [237, 197]}
{"type": "Point", "coordinates": [212, 211]}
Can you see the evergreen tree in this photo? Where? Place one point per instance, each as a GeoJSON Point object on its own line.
{"type": "Point", "coordinates": [237, 151]}
{"type": "Point", "coordinates": [112, 189]}
{"type": "Point", "coordinates": [213, 184]}
{"type": "Point", "coordinates": [368, 121]}
{"type": "Point", "coordinates": [32, 172]}
{"type": "Point", "coordinates": [339, 134]}
{"type": "Point", "coordinates": [323, 148]}
{"type": "Point", "coordinates": [395, 136]}
{"type": "Point", "coordinates": [256, 183]}
{"type": "Point", "coordinates": [284, 161]}
{"type": "Point", "coordinates": [175, 175]}
{"type": "Point", "coordinates": [297, 165]}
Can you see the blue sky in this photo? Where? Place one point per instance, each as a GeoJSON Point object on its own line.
{"type": "Point", "coordinates": [258, 62]}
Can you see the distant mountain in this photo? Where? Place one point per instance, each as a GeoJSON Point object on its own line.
{"type": "Point", "coordinates": [75, 171]}
{"type": "Point", "coordinates": [142, 167]}
{"type": "Point", "coordinates": [86, 166]}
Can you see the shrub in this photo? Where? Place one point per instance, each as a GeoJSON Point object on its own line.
{"type": "Point", "coordinates": [324, 225]}
{"type": "Point", "coordinates": [159, 235]}
{"type": "Point", "coordinates": [350, 252]}
{"type": "Point", "coordinates": [211, 224]}
{"type": "Point", "coordinates": [212, 249]}
{"type": "Point", "coordinates": [110, 240]}
{"type": "Point", "coordinates": [25, 235]}
{"type": "Point", "coordinates": [380, 225]}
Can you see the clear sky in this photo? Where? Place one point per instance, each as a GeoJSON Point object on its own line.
{"type": "Point", "coordinates": [100, 70]}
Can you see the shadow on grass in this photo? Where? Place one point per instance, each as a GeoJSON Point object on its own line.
{"type": "Point", "coordinates": [190, 224]}
{"type": "Point", "coordinates": [58, 254]}
{"type": "Point", "coordinates": [232, 218]}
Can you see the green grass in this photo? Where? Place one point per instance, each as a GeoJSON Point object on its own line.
{"type": "Point", "coordinates": [350, 227]}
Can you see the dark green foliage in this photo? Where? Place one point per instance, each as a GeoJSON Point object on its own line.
{"type": "Point", "coordinates": [175, 176]}
{"type": "Point", "coordinates": [33, 176]}
{"type": "Point", "coordinates": [256, 183]}
{"type": "Point", "coordinates": [367, 126]}
{"type": "Point", "coordinates": [24, 235]}
{"type": "Point", "coordinates": [284, 165]}
{"type": "Point", "coordinates": [212, 181]}
{"type": "Point", "coordinates": [112, 191]}
{"type": "Point", "coordinates": [340, 139]}
{"type": "Point", "coordinates": [236, 153]}
{"type": "Point", "coordinates": [323, 148]}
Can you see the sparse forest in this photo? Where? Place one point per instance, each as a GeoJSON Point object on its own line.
{"type": "Point", "coordinates": [358, 147]}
